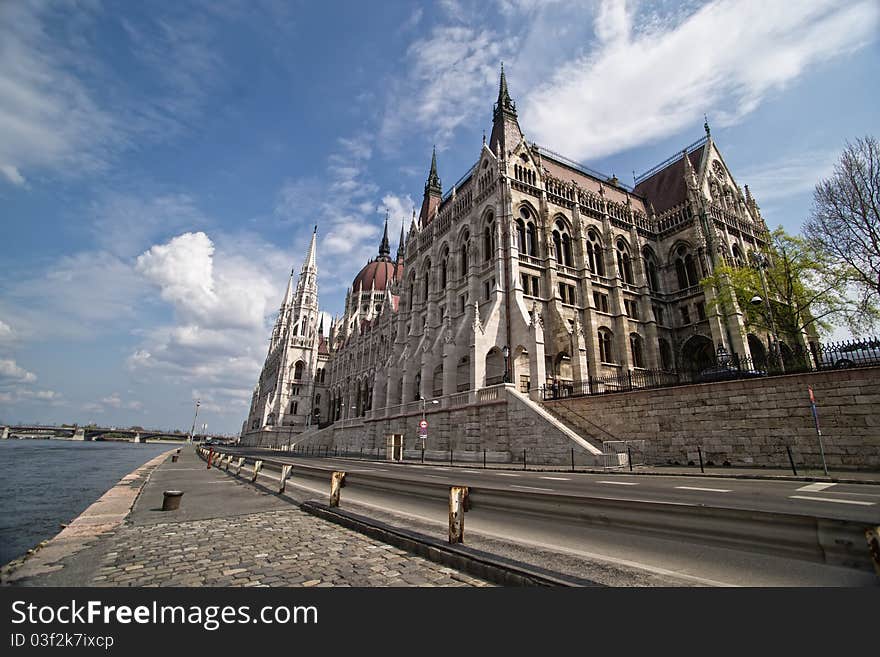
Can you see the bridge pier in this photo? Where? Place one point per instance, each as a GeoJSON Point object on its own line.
{"type": "Point", "coordinates": [79, 434]}
{"type": "Point", "coordinates": [138, 439]}
{"type": "Point", "coordinates": [4, 434]}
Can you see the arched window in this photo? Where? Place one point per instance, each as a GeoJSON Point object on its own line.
{"type": "Point", "coordinates": [417, 387]}
{"type": "Point", "coordinates": [426, 280]}
{"type": "Point", "coordinates": [444, 264]}
{"type": "Point", "coordinates": [463, 253]}
{"type": "Point", "coordinates": [665, 355]}
{"type": "Point", "coordinates": [594, 254]}
{"type": "Point", "coordinates": [412, 289]}
{"type": "Point", "coordinates": [298, 370]}
{"type": "Point", "coordinates": [635, 347]}
{"type": "Point", "coordinates": [685, 268]}
{"type": "Point", "coordinates": [605, 340]}
{"type": "Point", "coordinates": [737, 256]}
{"type": "Point", "coordinates": [521, 235]}
{"type": "Point", "coordinates": [624, 264]}
{"type": "Point", "coordinates": [489, 239]}
{"type": "Point", "coordinates": [690, 266]}
{"type": "Point", "coordinates": [562, 244]}
{"type": "Point", "coordinates": [651, 270]}
{"type": "Point", "coordinates": [530, 239]}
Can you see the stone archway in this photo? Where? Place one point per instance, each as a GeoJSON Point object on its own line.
{"type": "Point", "coordinates": [697, 353]}
{"type": "Point", "coordinates": [494, 367]}
{"type": "Point", "coordinates": [758, 351]}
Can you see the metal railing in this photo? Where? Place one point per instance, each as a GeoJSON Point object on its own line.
{"type": "Point", "coordinates": [726, 367]}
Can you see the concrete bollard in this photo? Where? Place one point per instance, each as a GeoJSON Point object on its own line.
{"type": "Point", "coordinates": [171, 500]}
{"type": "Point", "coordinates": [257, 467]}
{"type": "Point", "coordinates": [238, 466]}
{"type": "Point", "coordinates": [458, 504]}
{"type": "Point", "coordinates": [285, 473]}
{"type": "Point", "coordinates": [873, 536]}
{"type": "Point", "coordinates": [337, 482]}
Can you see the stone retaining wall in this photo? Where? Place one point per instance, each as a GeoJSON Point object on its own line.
{"type": "Point", "coordinates": [747, 422]}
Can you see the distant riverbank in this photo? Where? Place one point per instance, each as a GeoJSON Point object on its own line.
{"type": "Point", "coordinates": [49, 482]}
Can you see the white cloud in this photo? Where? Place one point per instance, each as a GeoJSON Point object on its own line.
{"type": "Point", "coordinates": [639, 85]}
{"type": "Point", "coordinates": [11, 373]}
{"type": "Point", "coordinates": [6, 332]}
{"type": "Point", "coordinates": [788, 176]}
{"type": "Point", "coordinates": [13, 175]}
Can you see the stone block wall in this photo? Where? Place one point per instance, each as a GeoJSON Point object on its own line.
{"type": "Point", "coordinates": [744, 423]}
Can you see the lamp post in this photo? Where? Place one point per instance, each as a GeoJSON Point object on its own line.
{"type": "Point", "coordinates": [425, 435]}
{"type": "Point", "coordinates": [506, 352]}
{"type": "Point", "coordinates": [760, 261]}
{"type": "Point", "coordinates": [193, 430]}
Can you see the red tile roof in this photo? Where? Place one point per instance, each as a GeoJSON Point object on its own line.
{"type": "Point", "coordinates": [667, 188]}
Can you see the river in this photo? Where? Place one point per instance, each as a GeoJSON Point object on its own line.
{"type": "Point", "coordinates": [49, 482]}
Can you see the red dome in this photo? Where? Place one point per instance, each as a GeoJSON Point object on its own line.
{"type": "Point", "coordinates": [377, 274]}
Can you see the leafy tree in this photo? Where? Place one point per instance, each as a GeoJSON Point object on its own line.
{"type": "Point", "coordinates": [845, 223]}
{"type": "Point", "coordinates": [804, 293]}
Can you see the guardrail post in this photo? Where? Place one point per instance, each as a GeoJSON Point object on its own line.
{"type": "Point", "coordinates": [524, 459]}
{"type": "Point", "coordinates": [484, 458]}
{"type": "Point", "coordinates": [458, 504]}
{"type": "Point", "coordinates": [873, 536]}
{"type": "Point", "coordinates": [700, 454]}
{"type": "Point", "coordinates": [258, 465]}
{"type": "Point", "coordinates": [572, 459]}
{"type": "Point", "coordinates": [239, 466]}
{"type": "Point", "coordinates": [337, 482]}
{"type": "Point", "coordinates": [285, 473]}
{"type": "Point", "coordinates": [629, 457]}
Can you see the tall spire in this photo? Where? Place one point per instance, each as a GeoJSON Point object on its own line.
{"type": "Point", "coordinates": [384, 246]}
{"type": "Point", "coordinates": [506, 133]}
{"type": "Point", "coordinates": [400, 244]}
{"type": "Point", "coordinates": [309, 264]}
{"type": "Point", "coordinates": [433, 183]}
{"type": "Point", "coordinates": [288, 294]}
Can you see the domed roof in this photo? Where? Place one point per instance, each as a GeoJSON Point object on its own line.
{"type": "Point", "coordinates": [376, 274]}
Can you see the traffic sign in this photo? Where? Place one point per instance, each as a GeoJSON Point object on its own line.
{"type": "Point", "coordinates": [423, 424]}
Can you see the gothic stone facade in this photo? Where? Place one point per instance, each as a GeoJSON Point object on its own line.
{"type": "Point", "coordinates": [531, 270]}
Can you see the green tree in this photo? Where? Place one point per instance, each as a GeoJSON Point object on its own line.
{"type": "Point", "coordinates": [845, 223]}
{"type": "Point", "coordinates": [804, 292]}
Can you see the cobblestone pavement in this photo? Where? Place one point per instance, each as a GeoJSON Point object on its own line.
{"type": "Point", "coordinates": [278, 548]}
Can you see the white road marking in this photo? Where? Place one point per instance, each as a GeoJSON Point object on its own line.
{"type": "Point", "coordinates": [506, 474]}
{"type": "Point", "coordinates": [828, 499]}
{"type": "Point", "coordinates": [549, 490]}
{"type": "Point", "coordinates": [437, 476]}
{"type": "Point", "coordinates": [470, 471]}
{"type": "Point", "coordinates": [815, 488]}
{"type": "Point", "coordinates": [619, 483]}
{"type": "Point", "coordinates": [556, 478]}
{"type": "Point", "coordinates": [708, 490]}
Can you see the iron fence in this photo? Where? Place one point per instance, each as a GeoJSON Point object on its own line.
{"type": "Point", "coordinates": [726, 367]}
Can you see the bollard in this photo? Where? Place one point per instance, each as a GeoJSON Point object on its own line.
{"type": "Point", "coordinates": [873, 536]}
{"type": "Point", "coordinates": [572, 459]}
{"type": "Point", "coordinates": [285, 473]}
{"type": "Point", "coordinates": [258, 465]}
{"type": "Point", "coordinates": [210, 456]}
{"type": "Point", "coordinates": [458, 504]}
{"type": "Point", "coordinates": [450, 457]}
{"type": "Point", "coordinates": [337, 482]}
{"type": "Point", "coordinates": [629, 458]}
{"type": "Point", "coordinates": [174, 458]}
{"type": "Point", "coordinates": [484, 458]}
{"type": "Point", "coordinates": [524, 459]}
{"type": "Point", "coordinates": [171, 500]}
{"type": "Point", "coordinates": [239, 466]}
{"type": "Point", "coordinates": [700, 453]}
{"type": "Point", "coordinates": [791, 460]}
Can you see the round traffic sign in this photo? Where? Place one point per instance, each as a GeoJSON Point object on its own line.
{"type": "Point", "coordinates": [423, 424]}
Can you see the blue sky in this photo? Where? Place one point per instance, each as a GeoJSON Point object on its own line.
{"type": "Point", "coordinates": [162, 163]}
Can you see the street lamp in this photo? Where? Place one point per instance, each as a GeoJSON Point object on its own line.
{"type": "Point", "coordinates": [193, 430]}
{"type": "Point", "coordinates": [433, 401]}
{"type": "Point", "coordinates": [761, 262]}
{"type": "Point", "coordinates": [506, 352]}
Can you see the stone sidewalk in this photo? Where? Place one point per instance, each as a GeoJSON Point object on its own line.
{"type": "Point", "coordinates": [228, 533]}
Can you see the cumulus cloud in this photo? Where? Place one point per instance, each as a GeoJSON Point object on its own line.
{"type": "Point", "coordinates": [639, 84]}
{"type": "Point", "coordinates": [12, 373]}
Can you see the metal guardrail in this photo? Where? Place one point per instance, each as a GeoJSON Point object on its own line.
{"type": "Point", "coordinates": [804, 537]}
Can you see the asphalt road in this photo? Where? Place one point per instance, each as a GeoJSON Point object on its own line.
{"type": "Point", "coordinates": [566, 544]}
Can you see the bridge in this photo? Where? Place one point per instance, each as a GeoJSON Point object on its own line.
{"type": "Point", "coordinates": [75, 432]}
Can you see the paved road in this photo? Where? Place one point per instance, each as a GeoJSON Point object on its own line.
{"type": "Point", "coordinates": [859, 502]}
{"type": "Point", "coordinates": [627, 557]}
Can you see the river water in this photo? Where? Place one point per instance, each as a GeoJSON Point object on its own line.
{"type": "Point", "coordinates": [48, 482]}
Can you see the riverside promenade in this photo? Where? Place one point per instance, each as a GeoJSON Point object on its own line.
{"type": "Point", "coordinates": [225, 533]}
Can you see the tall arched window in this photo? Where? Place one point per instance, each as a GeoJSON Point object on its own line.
{"type": "Point", "coordinates": [635, 347]}
{"type": "Point", "coordinates": [417, 387]}
{"type": "Point", "coordinates": [605, 340]}
{"type": "Point", "coordinates": [737, 256]}
{"type": "Point", "coordinates": [489, 238]}
{"type": "Point", "coordinates": [685, 268]}
{"type": "Point", "coordinates": [624, 264]}
{"type": "Point", "coordinates": [412, 290]}
{"type": "Point", "coordinates": [426, 279]}
{"type": "Point", "coordinates": [651, 270]}
{"type": "Point", "coordinates": [444, 264]}
{"type": "Point", "coordinates": [521, 236]}
{"type": "Point", "coordinates": [594, 254]}
{"type": "Point", "coordinates": [562, 244]}
{"type": "Point", "coordinates": [298, 370]}
{"type": "Point", "coordinates": [463, 253]}
{"type": "Point", "coordinates": [530, 242]}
